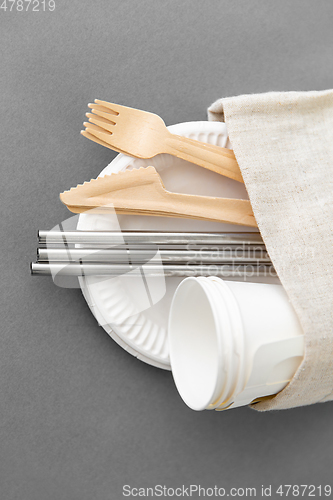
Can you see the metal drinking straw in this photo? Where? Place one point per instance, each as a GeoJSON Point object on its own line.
{"type": "Point", "coordinates": [147, 238]}
{"type": "Point", "coordinates": [88, 255]}
{"type": "Point", "coordinates": [167, 270]}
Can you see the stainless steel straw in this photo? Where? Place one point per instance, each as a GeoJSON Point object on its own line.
{"type": "Point", "coordinates": [88, 255]}
{"type": "Point", "coordinates": [147, 238]}
{"type": "Point", "coordinates": [166, 270]}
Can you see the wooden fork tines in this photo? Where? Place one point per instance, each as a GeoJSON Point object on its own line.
{"type": "Point", "coordinates": [141, 191]}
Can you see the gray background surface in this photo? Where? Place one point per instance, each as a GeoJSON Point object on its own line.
{"type": "Point", "coordinates": [79, 416]}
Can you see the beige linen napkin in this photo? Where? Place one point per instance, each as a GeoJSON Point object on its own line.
{"type": "Point", "coordinates": [283, 142]}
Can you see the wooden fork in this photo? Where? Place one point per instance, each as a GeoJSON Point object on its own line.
{"type": "Point", "coordinates": [144, 135]}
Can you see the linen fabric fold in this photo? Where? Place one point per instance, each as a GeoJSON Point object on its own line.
{"type": "Point", "coordinates": [283, 142]}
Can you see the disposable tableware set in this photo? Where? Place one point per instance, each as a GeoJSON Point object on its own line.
{"type": "Point", "coordinates": [231, 358]}
{"type": "Point", "coordinates": [141, 191]}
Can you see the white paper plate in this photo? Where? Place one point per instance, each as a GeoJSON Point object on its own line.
{"type": "Point", "coordinates": [134, 312]}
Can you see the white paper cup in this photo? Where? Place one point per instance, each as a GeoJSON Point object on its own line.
{"type": "Point", "coordinates": [232, 342]}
